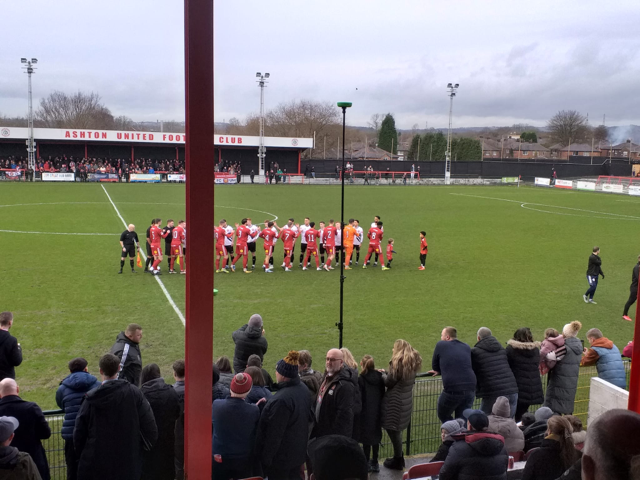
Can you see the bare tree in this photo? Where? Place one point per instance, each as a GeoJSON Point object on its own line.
{"type": "Point", "coordinates": [376, 121]}
{"type": "Point", "coordinates": [80, 110]}
{"type": "Point", "coordinates": [301, 118]}
{"type": "Point", "coordinates": [124, 123]}
{"type": "Point", "coordinates": [173, 126]}
{"type": "Point", "coordinates": [568, 126]}
{"type": "Point", "coordinates": [600, 134]}
{"type": "Point", "coordinates": [13, 121]}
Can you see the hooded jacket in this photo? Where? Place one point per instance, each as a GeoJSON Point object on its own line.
{"type": "Point", "coordinates": [606, 357]}
{"type": "Point", "coordinates": [130, 358]}
{"type": "Point", "coordinates": [501, 423]}
{"type": "Point", "coordinates": [563, 379]}
{"type": "Point", "coordinates": [524, 358]}
{"type": "Point", "coordinates": [10, 355]}
{"type": "Point", "coordinates": [397, 404]}
{"type": "Point", "coordinates": [476, 456]}
{"type": "Point", "coordinates": [16, 465]}
{"type": "Point", "coordinates": [551, 344]}
{"type": "Point", "coordinates": [334, 407]}
{"type": "Point", "coordinates": [249, 341]}
{"type": "Point", "coordinates": [114, 418]}
{"type": "Point", "coordinates": [493, 374]}
{"type": "Point", "coordinates": [367, 425]}
{"type": "Point", "coordinates": [312, 380]}
{"type": "Point", "coordinates": [69, 397]}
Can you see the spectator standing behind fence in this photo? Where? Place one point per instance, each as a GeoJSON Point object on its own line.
{"type": "Point", "coordinates": [633, 294]}
{"type": "Point", "coordinates": [68, 398]}
{"type": "Point", "coordinates": [10, 350]}
{"type": "Point", "coordinates": [555, 455]}
{"type": "Point", "coordinates": [500, 422]}
{"type": "Point", "coordinates": [493, 373]}
{"type": "Point", "coordinates": [523, 355]}
{"type": "Point", "coordinates": [369, 426]}
{"type": "Point", "coordinates": [226, 375]}
{"type": "Point", "coordinates": [114, 418]}
{"type": "Point", "coordinates": [452, 360]}
{"type": "Point", "coordinates": [397, 404]}
{"type": "Point", "coordinates": [606, 357]}
{"type": "Point", "coordinates": [311, 378]}
{"type": "Point", "coordinates": [178, 386]}
{"type": "Point", "coordinates": [256, 361]}
{"type": "Point", "coordinates": [14, 464]}
{"type": "Point", "coordinates": [259, 393]}
{"type": "Point", "coordinates": [33, 425]}
{"type": "Point", "coordinates": [159, 462]}
{"type": "Point", "coordinates": [552, 350]}
{"type": "Point", "coordinates": [249, 340]}
{"type": "Point", "coordinates": [563, 378]}
{"type": "Point", "coordinates": [351, 363]}
{"type": "Point", "coordinates": [219, 390]}
{"type": "Point", "coordinates": [127, 349]}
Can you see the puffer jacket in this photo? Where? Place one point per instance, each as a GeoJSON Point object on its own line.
{"type": "Point", "coordinates": [534, 434]}
{"type": "Point", "coordinates": [551, 344]}
{"type": "Point", "coordinates": [563, 379]}
{"type": "Point", "coordinates": [249, 341]}
{"type": "Point", "coordinates": [476, 456]}
{"type": "Point", "coordinates": [69, 397]}
{"type": "Point", "coordinates": [129, 354]}
{"type": "Point", "coordinates": [523, 359]}
{"type": "Point", "coordinates": [546, 463]}
{"type": "Point", "coordinates": [334, 408]}
{"type": "Point", "coordinates": [608, 362]}
{"type": "Point", "coordinates": [397, 404]}
{"type": "Point", "coordinates": [367, 425]}
{"type": "Point", "coordinates": [501, 423]}
{"type": "Point", "coordinates": [493, 374]}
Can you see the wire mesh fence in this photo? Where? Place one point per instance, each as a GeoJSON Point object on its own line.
{"type": "Point", "coordinates": [54, 445]}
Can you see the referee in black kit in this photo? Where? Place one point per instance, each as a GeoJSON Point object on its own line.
{"type": "Point", "coordinates": [129, 243]}
{"type": "Point", "coordinates": [167, 234]}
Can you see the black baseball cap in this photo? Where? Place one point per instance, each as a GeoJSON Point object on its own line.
{"type": "Point", "coordinates": [477, 418]}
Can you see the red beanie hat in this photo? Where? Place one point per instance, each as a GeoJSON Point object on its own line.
{"type": "Point", "coordinates": [241, 384]}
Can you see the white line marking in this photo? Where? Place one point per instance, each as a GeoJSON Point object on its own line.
{"type": "Point", "coordinates": [164, 289]}
{"type": "Point", "coordinates": [57, 233]}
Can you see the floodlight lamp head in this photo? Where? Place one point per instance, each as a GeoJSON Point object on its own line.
{"type": "Point", "coordinates": [23, 60]}
{"type": "Point", "coordinates": [34, 60]}
{"type": "Point", "coordinates": [266, 75]}
{"type": "Point", "coordinates": [449, 85]}
{"type": "Point", "coordinates": [456, 85]}
{"type": "Point", "coordinates": [258, 75]}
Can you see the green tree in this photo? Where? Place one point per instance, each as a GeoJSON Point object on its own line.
{"type": "Point", "coordinates": [466, 149]}
{"type": "Point", "coordinates": [531, 137]}
{"type": "Point", "coordinates": [388, 136]}
{"type": "Point", "coordinates": [413, 148]}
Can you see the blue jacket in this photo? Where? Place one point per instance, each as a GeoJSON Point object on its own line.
{"type": "Point", "coordinates": [258, 393]}
{"type": "Point", "coordinates": [452, 360]}
{"type": "Point", "coordinates": [69, 397]}
{"type": "Point", "coordinates": [610, 367]}
{"type": "Point", "coordinates": [235, 423]}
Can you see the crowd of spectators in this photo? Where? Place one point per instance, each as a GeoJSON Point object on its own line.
{"type": "Point", "coordinates": [130, 423]}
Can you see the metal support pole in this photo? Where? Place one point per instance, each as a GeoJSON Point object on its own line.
{"type": "Point", "coordinates": [447, 164]}
{"type": "Point", "coordinates": [262, 151]}
{"type": "Point", "coordinates": [340, 325]}
{"type": "Point", "coordinates": [31, 144]}
{"type": "Point", "coordinates": [634, 380]}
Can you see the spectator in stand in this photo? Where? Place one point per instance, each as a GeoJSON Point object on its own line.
{"type": "Point", "coordinates": [224, 366]}
{"type": "Point", "coordinates": [452, 360]}
{"type": "Point", "coordinates": [500, 422]}
{"type": "Point", "coordinates": [334, 408]}
{"type": "Point", "coordinates": [259, 393]}
{"type": "Point", "coordinates": [33, 426]}
{"type": "Point", "coordinates": [552, 350]}
{"type": "Point", "coordinates": [159, 462]}
{"type": "Point", "coordinates": [113, 418]}
{"type": "Point", "coordinates": [493, 373]}
{"type": "Point", "coordinates": [563, 378]}
{"type": "Point", "coordinates": [335, 457]}
{"type": "Point", "coordinates": [535, 433]}
{"type": "Point", "coordinates": [256, 361]}
{"type": "Point", "coordinates": [447, 430]}
{"type": "Point", "coordinates": [127, 349]}
{"type": "Point", "coordinates": [350, 362]}
{"type": "Point", "coordinates": [527, 419]}
{"type": "Point", "coordinates": [606, 357]}
{"type": "Point", "coordinates": [397, 404]}
{"type": "Point", "coordinates": [478, 454]}
{"type": "Point", "coordinates": [14, 464]}
{"type": "Point", "coordinates": [555, 455]}
{"type": "Point", "coordinates": [219, 390]}
{"type": "Point", "coordinates": [249, 340]}
{"type": "Point", "coordinates": [523, 355]}
{"type": "Point", "coordinates": [309, 376]}
{"type": "Point", "coordinates": [284, 424]}
{"type": "Point", "coordinates": [178, 375]}
{"type": "Point", "coordinates": [633, 294]}
{"type": "Point", "coordinates": [368, 423]}
{"type": "Point", "coordinates": [68, 398]}
{"type": "Point", "coordinates": [579, 435]}
{"type": "Point", "coordinates": [10, 350]}
{"type": "Point", "coordinates": [235, 423]}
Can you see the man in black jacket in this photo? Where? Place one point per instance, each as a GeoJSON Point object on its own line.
{"type": "Point", "coordinates": [633, 295]}
{"type": "Point", "coordinates": [10, 351]}
{"type": "Point", "coordinates": [593, 271]}
{"type": "Point", "coordinates": [249, 340]}
{"type": "Point", "coordinates": [127, 349]}
{"type": "Point", "coordinates": [33, 425]}
{"type": "Point", "coordinates": [113, 427]}
{"type": "Point", "coordinates": [284, 424]}
{"type": "Point", "coordinates": [493, 373]}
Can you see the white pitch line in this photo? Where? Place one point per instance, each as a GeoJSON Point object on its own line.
{"type": "Point", "coordinates": [57, 233]}
{"type": "Point", "coordinates": [164, 289]}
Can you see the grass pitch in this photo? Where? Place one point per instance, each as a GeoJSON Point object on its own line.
{"type": "Point", "coordinates": [502, 257]}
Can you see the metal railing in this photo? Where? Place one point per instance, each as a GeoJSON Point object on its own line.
{"type": "Point", "coordinates": [54, 445]}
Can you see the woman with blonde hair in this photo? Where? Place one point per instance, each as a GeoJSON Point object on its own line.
{"type": "Point", "coordinates": [555, 455]}
{"type": "Point", "coordinates": [397, 404]}
{"type": "Point", "coordinates": [348, 358]}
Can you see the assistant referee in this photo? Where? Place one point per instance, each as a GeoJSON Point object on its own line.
{"type": "Point", "coordinates": [129, 243]}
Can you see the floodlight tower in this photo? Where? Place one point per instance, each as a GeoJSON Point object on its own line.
{"type": "Point", "coordinates": [261, 149]}
{"type": "Point", "coordinates": [28, 65]}
{"type": "Point", "coordinates": [451, 89]}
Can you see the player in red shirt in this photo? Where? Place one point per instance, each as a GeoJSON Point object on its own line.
{"type": "Point", "coordinates": [424, 249]}
{"type": "Point", "coordinates": [312, 249]}
{"type": "Point", "coordinates": [269, 235]}
{"type": "Point", "coordinates": [221, 252]}
{"type": "Point", "coordinates": [329, 239]}
{"type": "Point", "coordinates": [390, 252]}
{"type": "Point", "coordinates": [155, 236]}
{"type": "Point", "coordinates": [375, 236]}
{"type": "Point", "coordinates": [242, 235]}
{"type": "Point", "coordinates": [177, 236]}
{"type": "Point", "coordinates": [288, 237]}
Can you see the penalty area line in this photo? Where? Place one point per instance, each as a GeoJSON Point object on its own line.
{"type": "Point", "coordinates": [162, 287]}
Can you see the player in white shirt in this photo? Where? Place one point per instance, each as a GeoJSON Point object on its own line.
{"type": "Point", "coordinates": [376, 219]}
{"type": "Point", "coordinates": [251, 241]}
{"type": "Point", "coordinates": [303, 242]}
{"type": "Point", "coordinates": [228, 243]}
{"type": "Point", "coordinates": [357, 240]}
{"type": "Point", "coordinates": [338, 247]}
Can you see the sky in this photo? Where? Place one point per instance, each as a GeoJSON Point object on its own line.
{"type": "Point", "coordinates": [516, 62]}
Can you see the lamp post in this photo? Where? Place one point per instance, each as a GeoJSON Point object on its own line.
{"type": "Point", "coordinates": [343, 106]}
{"type": "Point", "coordinates": [28, 65]}
{"type": "Point", "coordinates": [451, 89]}
{"type": "Point", "coordinates": [261, 149]}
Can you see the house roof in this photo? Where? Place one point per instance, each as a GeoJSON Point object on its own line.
{"type": "Point", "coordinates": [579, 147]}
{"type": "Point", "coordinates": [371, 153]}
{"type": "Point", "coordinates": [623, 146]}
{"type": "Point", "coordinates": [533, 147]}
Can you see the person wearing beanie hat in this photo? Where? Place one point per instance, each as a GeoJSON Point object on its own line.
{"type": "Point", "coordinates": [283, 431]}
{"type": "Point", "coordinates": [594, 270]}
{"type": "Point", "coordinates": [19, 464]}
{"type": "Point", "coordinates": [336, 457]}
{"type": "Point", "coordinates": [500, 422]}
{"type": "Point", "coordinates": [535, 433]}
{"type": "Point", "coordinates": [249, 340]}
{"type": "Point", "coordinates": [563, 378]}
{"type": "Point", "coordinates": [235, 424]}
{"type": "Point", "coordinates": [447, 430]}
